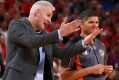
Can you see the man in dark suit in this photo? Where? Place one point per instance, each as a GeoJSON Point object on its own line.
{"type": "Point", "coordinates": [30, 54]}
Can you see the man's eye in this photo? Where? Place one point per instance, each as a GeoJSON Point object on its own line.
{"type": "Point", "coordinates": [90, 22]}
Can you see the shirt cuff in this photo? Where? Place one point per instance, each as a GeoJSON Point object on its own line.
{"type": "Point", "coordinates": [83, 44]}
{"type": "Point", "coordinates": [59, 34]}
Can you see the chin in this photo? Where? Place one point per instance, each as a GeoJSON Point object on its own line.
{"type": "Point", "coordinates": [42, 28]}
{"type": "Point", "coordinates": [39, 28]}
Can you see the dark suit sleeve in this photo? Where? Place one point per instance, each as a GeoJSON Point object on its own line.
{"type": "Point", "coordinates": [18, 34]}
{"type": "Point", "coordinates": [69, 50]}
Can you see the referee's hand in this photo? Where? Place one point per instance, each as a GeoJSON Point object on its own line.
{"type": "Point", "coordinates": [97, 69]}
{"type": "Point", "coordinates": [108, 69]}
{"type": "Point", "coordinates": [89, 39]}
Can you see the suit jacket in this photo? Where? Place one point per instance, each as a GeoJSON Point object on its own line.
{"type": "Point", "coordinates": [23, 54]}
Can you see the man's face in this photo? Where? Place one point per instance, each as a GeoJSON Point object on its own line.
{"type": "Point", "coordinates": [89, 25]}
{"type": "Point", "coordinates": [44, 17]}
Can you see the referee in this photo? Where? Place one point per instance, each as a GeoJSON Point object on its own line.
{"type": "Point", "coordinates": [89, 65]}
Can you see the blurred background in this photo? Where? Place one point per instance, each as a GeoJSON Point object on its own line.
{"type": "Point", "coordinates": [107, 10]}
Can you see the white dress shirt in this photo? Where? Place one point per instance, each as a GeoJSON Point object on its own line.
{"type": "Point", "coordinates": [40, 71]}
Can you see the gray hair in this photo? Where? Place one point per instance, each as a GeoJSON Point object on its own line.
{"type": "Point", "coordinates": [40, 4]}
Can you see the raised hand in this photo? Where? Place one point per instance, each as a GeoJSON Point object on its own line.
{"type": "Point", "coordinates": [89, 39]}
{"type": "Point", "coordinates": [68, 28]}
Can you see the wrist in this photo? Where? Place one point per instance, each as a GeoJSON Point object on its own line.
{"type": "Point", "coordinates": [90, 70]}
{"type": "Point", "coordinates": [83, 44]}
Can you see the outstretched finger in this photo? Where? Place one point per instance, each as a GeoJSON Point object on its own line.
{"type": "Point", "coordinates": [77, 29]}
{"type": "Point", "coordinates": [64, 21]}
{"type": "Point", "coordinates": [75, 22]}
{"type": "Point", "coordinates": [97, 31]}
{"type": "Point", "coordinates": [100, 31]}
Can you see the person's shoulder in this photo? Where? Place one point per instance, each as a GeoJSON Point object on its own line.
{"type": "Point", "coordinates": [16, 24]}
{"type": "Point", "coordinates": [76, 39]}
{"type": "Point", "coordinates": [15, 21]}
{"type": "Point", "coordinates": [99, 42]}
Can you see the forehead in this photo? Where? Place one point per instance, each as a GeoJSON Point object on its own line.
{"type": "Point", "coordinates": [93, 18]}
{"type": "Point", "coordinates": [47, 10]}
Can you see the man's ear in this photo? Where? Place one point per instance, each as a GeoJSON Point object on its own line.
{"type": "Point", "coordinates": [37, 13]}
{"type": "Point", "coordinates": [81, 24]}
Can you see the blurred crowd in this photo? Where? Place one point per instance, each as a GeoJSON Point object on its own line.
{"type": "Point", "coordinates": [107, 10]}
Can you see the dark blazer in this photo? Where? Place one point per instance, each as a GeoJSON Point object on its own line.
{"type": "Point", "coordinates": [23, 54]}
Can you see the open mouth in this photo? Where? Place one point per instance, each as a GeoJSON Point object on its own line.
{"type": "Point", "coordinates": [45, 24]}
